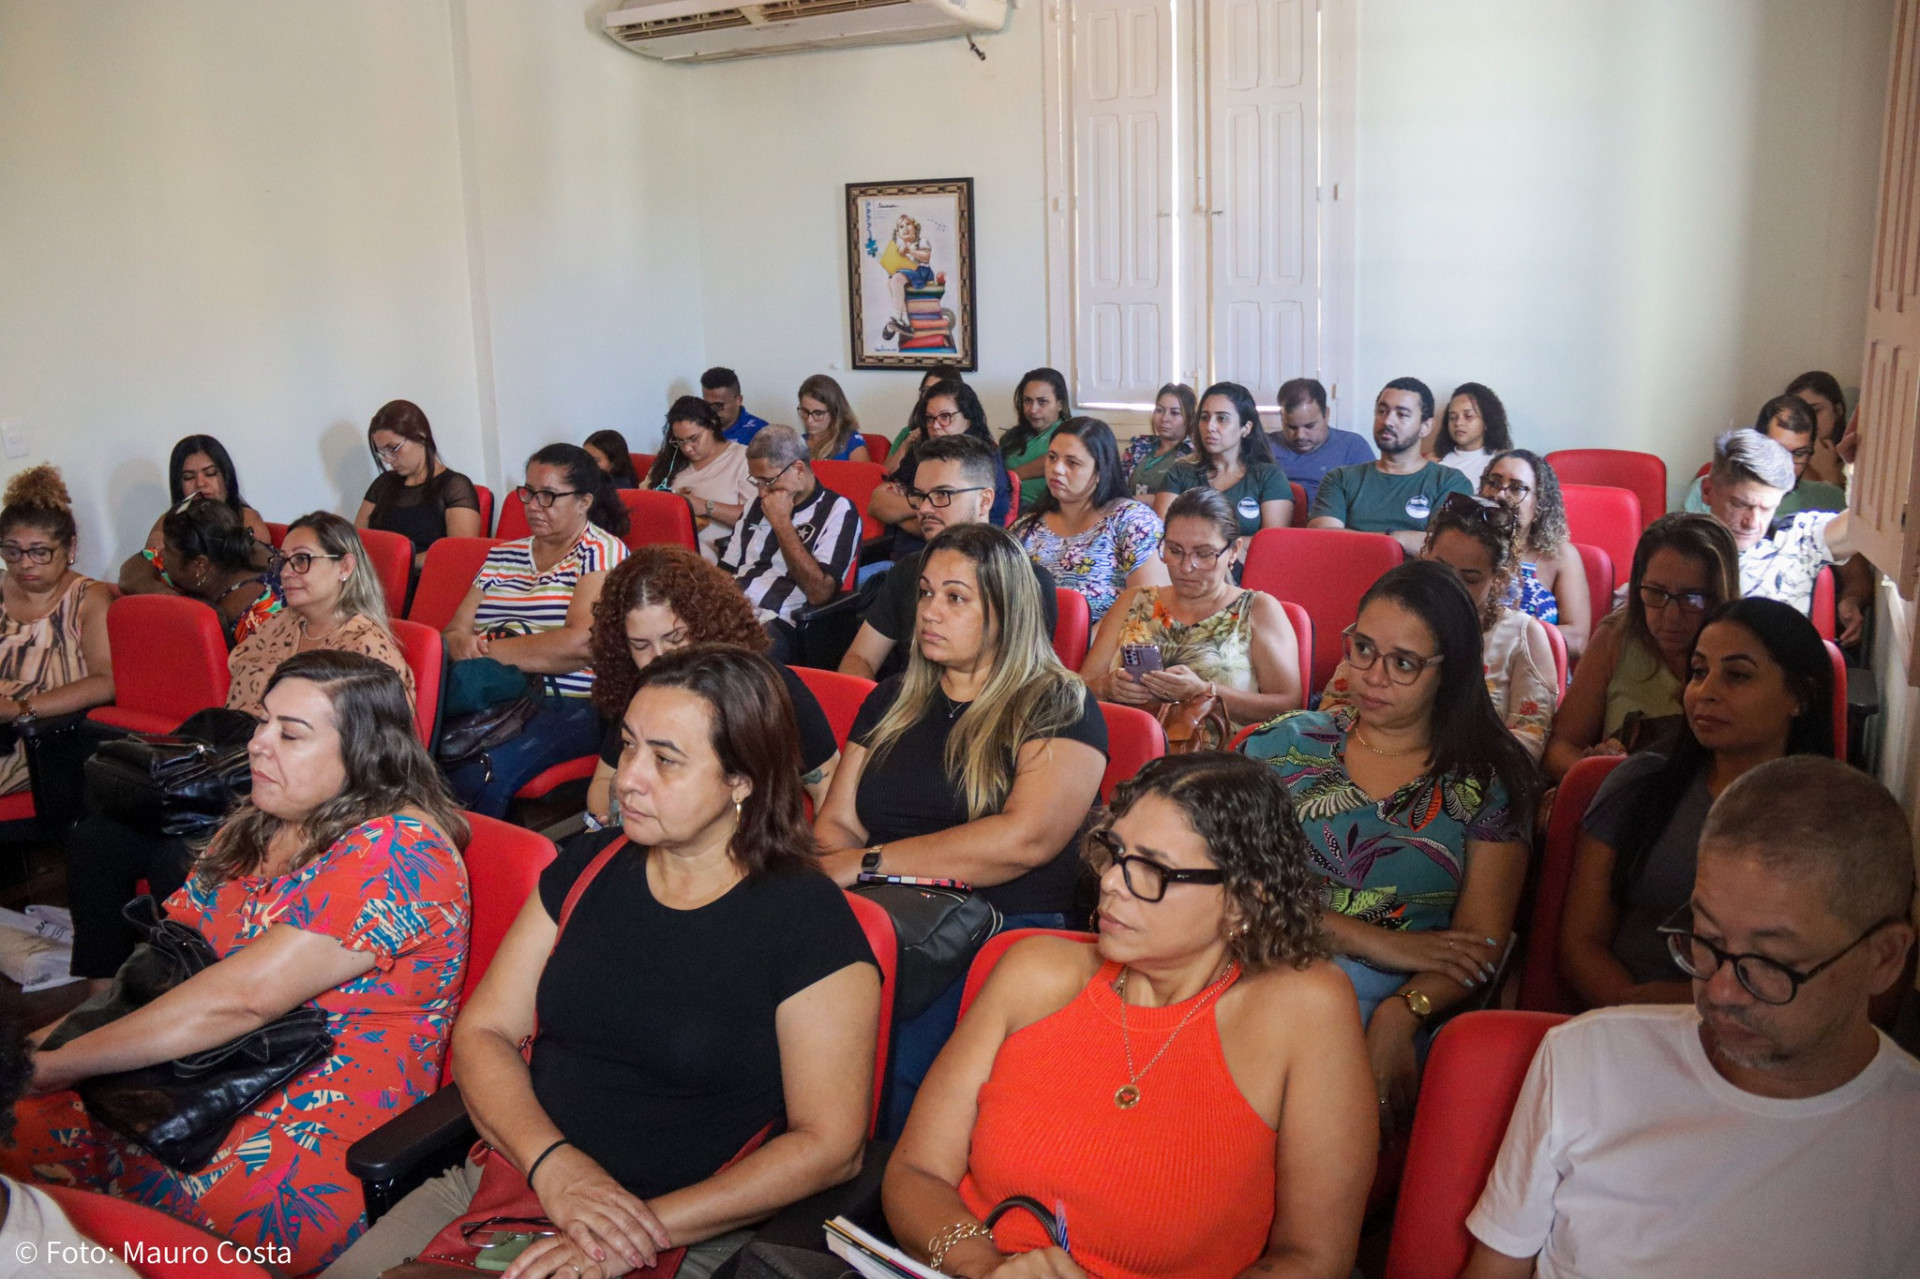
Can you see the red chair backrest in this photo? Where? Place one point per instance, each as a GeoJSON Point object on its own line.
{"type": "Point", "coordinates": [997, 945]}
{"type": "Point", "coordinates": [503, 870]}
{"type": "Point", "coordinates": [513, 518]}
{"type": "Point", "coordinates": [1325, 571]}
{"type": "Point", "coordinates": [1133, 738]}
{"type": "Point", "coordinates": [1240, 738]}
{"type": "Point", "coordinates": [1606, 517]}
{"type": "Point", "coordinates": [485, 495]}
{"type": "Point", "coordinates": [856, 482]}
{"type": "Point", "coordinates": [426, 654]}
{"type": "Point", "coordinates": [1705, 467]}
{"type": "Point", "coordinates": [659, 519]}
{"type": "Point", "coordinates": [1540, 986]}
{"type": "Point", "coordinates": [1642, 474]}
{"type": "Point", "coordinates": [642, 463]}
{"type": "Point", "coordinates": [1826, 619]}
{"type": "Point", "coordinates": [1558, 643]}
{"type": "Point", "coordinates": [1074, 629]}
{"type": "Point", "coordinates": [840, 696]}
{"type": "Point", "coordinates": [1839, 660]}
{"type": "Point", "coordinates": [452, 564]}
{"type": "Point", "coordinates": [878, 926]}
{"type": "Point", "coordinates": [276, 533]}
{"type": "Point", "coordinates": [1598, 566]}
{"type": "Point", "coordinates": [1300, 505]}
{"type": "Point", "coordinates": [169, 660]}
{"type": "Point", "coordinates": [1473, 1077]}
{"type": "Point", "coordinates": [174, 1249]}
{"type": "Point", "coordinates": [1013, 499]}
{"type": "Point", "coordinates": [878, 446]}
{"type": "Point", "coordinates": [1302, 636]}
{"type": "Point", "coordinates": [391, 559]}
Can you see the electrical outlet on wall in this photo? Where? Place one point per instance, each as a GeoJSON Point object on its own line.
{"type": "Point", "coordinates": [13, 435]}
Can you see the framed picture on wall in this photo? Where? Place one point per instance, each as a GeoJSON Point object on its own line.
{"type": "Point", "coordinates": [910, 274]}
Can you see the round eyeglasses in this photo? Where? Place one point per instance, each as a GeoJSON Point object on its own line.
{"type": "Point", "coordinates": [1767, 980]}
{"type": "Point", "coordinates": [1402, 667]}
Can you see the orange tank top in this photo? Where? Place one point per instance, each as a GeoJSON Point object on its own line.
{"type": "Point", "coordinates": [1179, 1187]}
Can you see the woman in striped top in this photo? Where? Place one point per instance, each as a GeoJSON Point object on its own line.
{"type": "Point", "coordinates": [531, 608]}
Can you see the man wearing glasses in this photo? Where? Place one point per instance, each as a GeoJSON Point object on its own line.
{"type": "Point", "coordinates": [795, 543]}
{"type": "Point", "coordinates": [951, 484]}
{"type": "Point", "coordinates": [1751, 474]}
{"type": "Point", "coordinates": [1770, 1129]}
{"type": "Point", "coordinates": [1788, 422]}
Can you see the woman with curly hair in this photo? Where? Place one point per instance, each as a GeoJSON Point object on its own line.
{"type": "Point", "coordinates": [1474, 429]}
{"type": "Point", "coordinates": [658, 600]}
{"type": "Point", "coordinates": [1219, 1059]}
{"type": "Point", "coordinates": [1553, 581]}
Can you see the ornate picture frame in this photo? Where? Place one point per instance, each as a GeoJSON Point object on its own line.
{"type": "Point", "coordinates": [910, 278]}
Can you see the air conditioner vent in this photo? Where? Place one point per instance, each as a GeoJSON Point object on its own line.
{"type": "Point", "coordinates": [712, 30]}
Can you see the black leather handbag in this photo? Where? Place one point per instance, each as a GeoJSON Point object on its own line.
{"type": "Point", "coordinates": [181, 1111]}
{"type": "Point", "coordinates": [939, 931]}
{"type": "Point", "coordinates": [167, 785]}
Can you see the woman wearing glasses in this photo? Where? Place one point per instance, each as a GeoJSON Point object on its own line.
{"type": "Point", "coordinates": [1084, 529]}
{"type": "Point", "coordinates": [415, 495]}
{"type": "Point", "coordinates": [1553, 581]}
{"type": "Point", "coordinates": [531, 608]}
{"type": "Point", "coordinates": [332, 603]}
{"type": "Point", "coordinates": [945, 408]}
{"type": "Point", "coordinates": [1212, 642]}
{"type": "Point", "coordinates": [827, 420]}
{"type": "Point", "coordinates": [1759, 687]}
{"type": "Point", "coordinates": [701, 464]}
{"type": "Point", "coordinates": [1418, 802]}
{"type": "Point", "coordinates": [54, 658]}
{"type": "Point", "coordinates": [1625, 694]}
{"type": "Point", "coordinates": [1216, 1111]}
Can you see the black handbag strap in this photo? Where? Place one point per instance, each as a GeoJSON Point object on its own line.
{"type": "Point", "coordinates": [1049, 1221]}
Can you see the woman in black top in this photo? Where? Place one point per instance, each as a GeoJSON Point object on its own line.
{"type": "Point", "coordinates": [979, 763]}
{"type": "Point", "coordinates": [415, 494]}
{"type": "Point", "coordinates": [710, 984]}
{"type": "Point", "coordinates": [200, 467]}
{"type": "Point", "coordinates": [608, 449]}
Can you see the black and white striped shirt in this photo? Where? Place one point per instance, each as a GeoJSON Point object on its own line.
{"type": "Point", "coordinates": [829, 528]}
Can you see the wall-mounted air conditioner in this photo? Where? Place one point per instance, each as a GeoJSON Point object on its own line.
{"type": "Point", "coordinates": [709, 31]}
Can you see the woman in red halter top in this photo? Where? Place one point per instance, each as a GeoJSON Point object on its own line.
{"type": "Point", "coordinates": [1135, 1089]}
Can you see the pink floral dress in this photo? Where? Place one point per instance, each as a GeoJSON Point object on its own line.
{"type": "Point", "coordinates": [392, 887]}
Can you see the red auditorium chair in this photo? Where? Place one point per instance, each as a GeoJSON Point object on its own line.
{"type": "Point", "coordinates": [549, 780]}
{"type": "Point", "coordinates": [503, 870]}
{"type": "Point", "coordinates": [1300, 506]}
{"type": "Point", "coordinates": [996, 946]}
{"type": "Point", "coordinates": [878, 446]}
{"type": "Point", "coordinates": [1825, 608]}
{"type": "Point", "coordinates": [176, 1248]}
{"type": "Point", "coordinates": [391, 557]}
{"type": "Point", "coordinates": [1325, 571]}
{"type": "Point", "coordinates": [1558, 643]}
{"type": "Point", "coordinates": [1074, 629]}
{"type": "Point", "coordinates": [1839, 660]}
{"type": "Point", "coordinates": [840, 696]}
{"type": "Point", "coordinates": [276, 533]}
{"type": "Point", "coordinates": [169, 660]}
{"type": "Point", "coordinates": [1606, 517]}
{"type": "Point", "coordinates": [1302, 637]}
{"type": "Point", "coordinates": [1013, 502]}
{"type": "Point", "coordinates": [1133, 738]}
{"type": "Point", "coordinates": [1541, 989]}
{"type": "Point", "coordinates": [485, 495]}
{"type": "Point", "coordinates": [659, 519]}
{"type": "Point", "coordinates": [426, 654]}
{"type": "Point", "coordinates": [856, 482]}
{"type": "Point", "coordinates": [513, 519]}
{"type": "Point", "coordinates": [1642, 474]}
{"type": "Point", "coordinates": [452, 564]}
{"type": "Point", "coordinates": [878, 926]}
{"type": "Point", "coordinates": [1472, 1080]}
{"type": "Point", "coordinates": [642, 463]}
{"type": "Point", "coordinates": [1599, 568]}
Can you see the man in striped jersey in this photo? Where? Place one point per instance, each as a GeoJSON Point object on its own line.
{"type": "Point", "coordinates": [794, 545]}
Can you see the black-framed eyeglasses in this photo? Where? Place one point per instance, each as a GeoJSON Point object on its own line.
{"type": "Point", "coordinates": [764, 485]}
{"type": "Point", "coordinates": [1402, 667]}
{"type": "Point", "coordinates": [945, 420]}
{"type": "Point", "coordinates": [1767, 980]}
{"type": "Point", "coordinates": [298, 562]}
{"type": "Point", "coordinates": [1494, 486]}
{"type": "Point", "coordinates": [1204, 556]}
{"type": "Point", "coordinates": [544, 498]}
{"type": "Point", "coordinates": [812, 415]}
{"type": "Point", "coordinates": [13, 554]}
{"type": "Point", "coordinates": [938, 498]}
{"type": "Point", "coordinates": [1145, 878]}
{"type": "Point", "coordinates": [1658, 597]}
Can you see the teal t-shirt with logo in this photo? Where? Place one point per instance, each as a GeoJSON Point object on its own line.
{"type": "Point", "coordinates": [1261, 483]}
{"type": "Point", "coordinates": [1366, 498]}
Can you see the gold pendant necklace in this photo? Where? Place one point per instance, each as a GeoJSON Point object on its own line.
{"type": "Point", "coordinates": [1362, 738]}
{"type": "Point", "coordinates": [1127, 1095]}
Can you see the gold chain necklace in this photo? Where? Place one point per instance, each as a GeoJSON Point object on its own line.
{"type": "Point", "coordinates": [1127, 1095]}
{"type": "Point", "coordinates": [1362, 737]}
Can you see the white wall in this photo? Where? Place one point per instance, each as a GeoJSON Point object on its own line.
{"type": "Point", "coordinates": [263, 221]}
{"type": "Point", "coordinates": [1634, 219]}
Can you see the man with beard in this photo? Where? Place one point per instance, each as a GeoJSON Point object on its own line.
{"type": "Point", "coordinates": [1397, 493]}
{"type": "Point", "coordinates": [1770, 1129]}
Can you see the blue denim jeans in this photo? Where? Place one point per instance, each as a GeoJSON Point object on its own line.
{"type": "Point", "coordinates": [565, 728]}
{"type": "Point", "coordinates": [918, 1040]}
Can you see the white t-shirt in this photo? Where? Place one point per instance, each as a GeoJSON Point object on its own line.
{"type": "Point", "coordinates": [1629, 1155]}
{"type": "Point", "coordinates": [1469, 462]}
{"type": "Point", "coordinates": [38, 1241]}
